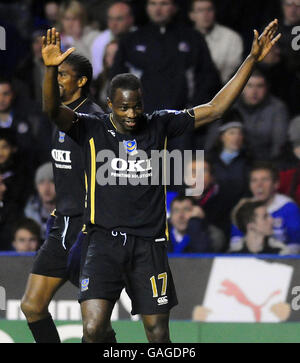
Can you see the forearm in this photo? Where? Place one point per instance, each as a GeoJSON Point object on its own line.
{"type": "Point", "coordinates": [51, 100]}
{"type": "Point", "coordinates": [226, 97]}
{"type": "Point", "coordinates": [61, 115]}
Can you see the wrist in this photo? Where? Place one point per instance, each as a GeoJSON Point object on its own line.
{"type": "Point", "coordinates": [252, 58]}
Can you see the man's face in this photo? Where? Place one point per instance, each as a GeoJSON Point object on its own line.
{"type": "Point", "coordinates": [202, 168]}
{"type": "Point", "coordinates": [203, 14]}
{"type": "Point", "coordinates": [72, 25]}
{"type": "Point", "coordinates": [25, 241]}
{"type": "Point", "coordinates": [255, 91]}
{"type": "Point", "coordinates": [262, 185]}
{"type": "Point", "coordinates": [180, 214]}
{"type": "Point", "coordinates": [119, 19]}
{"type": "Point", "coordinates": [161, 11]}
{"type": "Point", "coordinates": [6, 150]}
{"type": "Point", "coordinates": [127, 109]}
{"type": "Point", "coordinates": [263, 222]}
{"type": "Point", "coordinates": [46, 191]}
{"type": "Point", "coordinates": [232, 139]}
{"type": "Point", "coordinates": [68, 82]}
{"type": "Point", "coordinates": [6, 97]}
{"type": "Point", "coordinates": [110, 53]}
{"type": "Point", "coordinates": [291, 11]}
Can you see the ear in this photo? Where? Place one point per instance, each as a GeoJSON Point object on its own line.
{"type": "Point", "coordinates": [109, 103]}
{"type": "Point", "coordinates": [82, 81]}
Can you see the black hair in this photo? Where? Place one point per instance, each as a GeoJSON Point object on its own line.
{"type": "Point", "coordinates": [266, 165]}
{"type": "Point", "coordinates": [8, 135]}
{"type": "Point", "coordinates": [246, 214]}
{"type": "Point", "coordinates": [126, 81]}
{"type": "Point", "coordinates": [30, 225]}
{"type": "Point", "coordinates": [82, 66]}
{"type": "Point", "coordinates": [181, 198]}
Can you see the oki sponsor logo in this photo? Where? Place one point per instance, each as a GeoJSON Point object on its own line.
{"type": "Point", "coordinates": [61, 156]}
{"type": "Point", "coordinates": [119, 164]}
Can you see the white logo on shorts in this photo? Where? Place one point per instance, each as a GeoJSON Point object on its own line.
{"type": "Point", "coordinates": [162, 300]}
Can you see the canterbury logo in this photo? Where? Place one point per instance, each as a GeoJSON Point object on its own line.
{"type": "Point", "coordinates": [162, 300]}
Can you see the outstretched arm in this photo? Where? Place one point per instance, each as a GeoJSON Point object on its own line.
{"type": "Point", "coordinates": [61, 115]}
{"type": "Point", "coordinates": [224, 99]}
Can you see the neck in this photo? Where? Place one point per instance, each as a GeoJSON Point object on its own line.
{"type": "Point", "coordinates": [254, 241]}
{"type": "Point", "coordinates": [204, 30]}
{"type": "Point", "coordinates": [73, 98]}
{"type": "Point", "coordinates": [4, 116]}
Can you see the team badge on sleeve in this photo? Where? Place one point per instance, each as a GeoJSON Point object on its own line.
{"type": "Point", "coordinates": [85, 284]}
{"type": "Point", "coordinates": [130, 147]}
{"type": "Point", "coordinates": [61, 137]}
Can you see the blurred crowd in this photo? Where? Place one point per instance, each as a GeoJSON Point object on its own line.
{"type": "Point", "coordinates": [183, 52]}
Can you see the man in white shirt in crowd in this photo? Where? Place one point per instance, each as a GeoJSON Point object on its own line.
{"type": "Point", "coordinates": [225, 45]}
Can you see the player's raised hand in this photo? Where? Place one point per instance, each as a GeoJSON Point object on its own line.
{"type": "Point", "coordinates": [51, 52]}
{"type": "Point", "coordinates": [262, 44]}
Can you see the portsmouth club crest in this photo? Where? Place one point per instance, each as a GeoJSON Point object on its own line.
{"type": "Point", "coordinates": [130, 147]}
{"type": "Point", "coordinates": [61, 137]}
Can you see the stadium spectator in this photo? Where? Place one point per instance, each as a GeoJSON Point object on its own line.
{"type": "Point", "coordinates": [101, 84]}
{"type": "Point", "coordinates": [26, 236]}
{"type": "Point", "coordinates": [225, 45]}
{"type": "Point", "coordinates": [253, 219]}
{"type": "Point", "coordinates": [208, 197]}
{"type": "Point", "coordinates": [75, 32]}
{"type": "Point", "coordinates": [31, 69]}
{"type": "Point", "coordinates": [231, 160]}
{"type": "Point", "coordinates": [264, 183]}
{"type": "Point", "coordinates": [189, 231]}
{"type": "Point", "coordinates": [165, 52]}
{"type": "Point", "coordinates": [9, 213]}
{"type": "Point", "coordinates": [265, 118]}
{"type": "Point", "coordinates": [51, 10]}
{"type": "Point", "coordinates": [282, 82]}
{"type": "Point", "coordinates": [291, 19]}
{"type": "Point", "coordinates": [120, 21]}
{"type": "Point", "coordinates": [40, 205]}
{"type": "Point", "coordinates": [289, 163]}
{"type": "Point", "coordinates": [12, 168]}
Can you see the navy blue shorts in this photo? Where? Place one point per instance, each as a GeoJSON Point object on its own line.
{"type": "Point", "coordinates": [53, 258]}
{"type": "Point", "coordinates": [115, 260]}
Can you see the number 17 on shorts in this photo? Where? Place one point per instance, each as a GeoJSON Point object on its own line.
{"type": "Point", "coordinates": [162, 299]}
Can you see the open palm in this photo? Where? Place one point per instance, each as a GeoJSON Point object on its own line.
{"type": "Point", "coordinates": [262, 44]}
{"type": "Point", "coordinates": [51, 52]}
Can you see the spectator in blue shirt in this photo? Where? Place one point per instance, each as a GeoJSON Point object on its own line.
{"type": "Point", "coordinates": [264, 183]}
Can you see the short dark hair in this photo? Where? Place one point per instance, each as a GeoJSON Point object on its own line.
{"type": "Point", "coordinates": [82, 66]}
{"type": "Point", "coordinates": [126, 81]}
{"type": "Point", "coordinates": [266, 165]}
{"type": "Point", "coordinates": [6, 80]}
{"type": "Point", "coordinates": [192, 3]}
{"type": "Point", "coordinates": [246, 214]}
{"type": "Point", "coordinates": [181, 198]}
{"type": "Point", "coordinates": [9, 136]}
{"type": "Point", "coordinates": [30, 225]}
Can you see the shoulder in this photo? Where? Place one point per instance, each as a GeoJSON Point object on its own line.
{"type": "Point", "coordinates": [277, 104]}
{"type": "Point", "coordinates": [282, 202]}
{"type": "Point", "coordinates": [225, 31]}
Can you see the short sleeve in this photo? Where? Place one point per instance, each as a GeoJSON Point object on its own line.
{"type": "Point", "coordinates": [175, 123]}
{"type": "Point", "coordinates": [83, 126]}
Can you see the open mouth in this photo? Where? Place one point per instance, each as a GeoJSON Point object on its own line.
{"type": "Point", "coordinates": [130, 123]}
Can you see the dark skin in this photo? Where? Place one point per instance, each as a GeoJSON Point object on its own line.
{"type": "Point", "coordinates": [127, 109]}
{"type": "Point", "coordinates": [40, 289]}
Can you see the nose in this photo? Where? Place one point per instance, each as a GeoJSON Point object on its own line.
{"type": "Point", "coordinates": [131, 113]}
